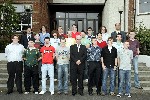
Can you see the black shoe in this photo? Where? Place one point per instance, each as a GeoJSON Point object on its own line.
{"type": "Point", "coordinates": [81, 94]}
{"type": "Point", "coordinates": [20, 92]}
{"type": "Point", "coordinates": [9, 92]}
{"type": "Point", "coordinates": [73, 94]}
{"type": "Point", "coordinates": [90, 93]}
{"type": "Point", "coordinates": [98, 93]}
{"type": "Point", "coordinates": [139, 87]}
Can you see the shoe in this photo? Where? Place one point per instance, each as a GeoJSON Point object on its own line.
{"type": "Point", "coordinates": [112, 94]}
{"type": "Point", "coordinates": [52, 93]}
{"type": "Point", "coordinates": [103, 94]}
{"type": "Point", "coordinates": [20, 92]}
{"type": "Point", "coordinates": [66, 93]}
{"type": "Point", "coordinates": [81, 94]}
{"type": "Point", "coordinates": [139, 87]}
{"type": "Point", "coordinates": [73, 94]}
{"type": "Point", "coordinates": [98, 93]}
{"type": "Point", "coordinates": [42, 92]}
{"type": "Point", "coordinates": [26, 92]}
{"type": "Point", "coordinates": [119, 95]}
{"type": "Point", "coordinates": [36, 92]}
{"type": "Point", "coordinates": [86, 80]}
{"type": "Point", "coordinates": [129, 96]}
{"type": "Point", "coordinates": [90, 93]}
{"type": "Point", "coordinates": [9, 92]}
{"type": "Point", "coordinates": [58, 92]}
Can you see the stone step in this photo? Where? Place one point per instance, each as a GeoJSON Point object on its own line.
{"type": "Point", "coordinates": [3, 88]}
{"type": "Point", "coordinates": [145, 72]}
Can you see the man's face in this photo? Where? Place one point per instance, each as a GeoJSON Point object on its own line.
{"type": "Point", "coordinates": [110, 41]}
{"type": "Point", "coordinates": [118, 26]}
{"type": "Point", "coordinates": [83, 34]}
{"type": "Point", "coordinates": [69, 34]}
{"type": "Point", "coordinates": [15, 39]}
{"type": "Point", "coordinates": [37, 37]}
{"type": "Point", "coordinates": [43, 28]}
{"type": "Point", "coordinates": [132, 35]}
{"type": "Point", "coordinates": [99, 37]}
{"type": "Point", "coordinates": [126, 45]}
{"type": "Point", "coordinates": [63, 42]}
{"type": "Point", "coordinates": [31, 44]}
{"type": "Point", "coordinates": [47, 41]}
{"type": "Point", "coordinates": [94, 41]}
{"type": "Point", "coordinates": [119, 37]}
{"type": "Point", "coordinates": [78, 39]}
{"type": "Point", "coordinates": [55, 34]}
{"type": "Point", "coordinates": [60, 30]}
{"type": "Point", "coordinates": [28, 30]}
{"type": "Point", "coordinates": [74, 28]}
{"type": "Point", "coordinates": [89, 31]}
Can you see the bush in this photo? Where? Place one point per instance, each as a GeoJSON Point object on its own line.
{"type": "Point", "coordinates": [143, 35]}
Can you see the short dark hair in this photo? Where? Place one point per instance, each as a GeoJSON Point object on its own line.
{"type": "Point", "coordinates": [54, 31]}
{"type": "Point", "coordinates": [98, 33]}
{"type": "Point", "coordinates": [46, 38]}
{"type": "Point", "coordinates": [118, 34]}
{"type": "Point", "coordinates": [110, 38]}
{"type": "Point", "coordinates": [74, 25]}
{"type": "Point", "coordinates": [83, 31]}
{"type": "Point", "coordinates": [117, 23]}
{"type": "Point", "coordinates": [63, 38]}
{"type": "Point", "coordinates": [93, 37]}
{"type": "Point", "coordinates": [89, 28]}
{"type": "Point", "coordinates": [12, 37]}
{"type": "Point", "coordinates": [132, 31]}
{"type": "Point", "coordinates": [32, 39]}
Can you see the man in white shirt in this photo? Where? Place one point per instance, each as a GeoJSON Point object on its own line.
{"type": "Point", "coordinates": [14, 65]}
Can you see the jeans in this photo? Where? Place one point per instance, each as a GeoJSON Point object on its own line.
{"type": "Point", "coordinates": [63, 78]}
{"type": "Point", "coordinates": [125, 76]}
{"type": "Point", "coordinates": [135, 66]}
{"type": "Point", "coordinates": [50, 69]}
{"type": "Point", "coordinates": [111, 73]}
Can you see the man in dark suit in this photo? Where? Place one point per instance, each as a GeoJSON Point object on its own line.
{"type": "Point", "coordinates": [25, 38]}
{"type": "Point", "coordinates": [118, 30]}
{"type": "Point", "coordinates": [78, 54]}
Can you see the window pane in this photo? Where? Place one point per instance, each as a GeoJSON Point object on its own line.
{"type": "Point", "coordinates": [90, 24]}
{"type": "Point", "coordinates": [92, 15]}
{"type": "Point", "coordinates": [72, 15]}
{"type": "Point", "coordinates": [26, 18]}
{"type": "Point", "coordinates": [144, 6]}
{"type": "Point", "coordinates": [60, 15]}
{"type": "Point", "coordinates": [61, 23]}
{"type": "Point", "coordinates": [80, 25]}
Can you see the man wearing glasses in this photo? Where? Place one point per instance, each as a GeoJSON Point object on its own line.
{"type": "Point", "coordinates": [77, 61]}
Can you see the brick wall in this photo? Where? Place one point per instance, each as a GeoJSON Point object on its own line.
{"type": "Point", "coordinates": [131, 15]}
{"type": "Point", "coordinates": [39, 15]}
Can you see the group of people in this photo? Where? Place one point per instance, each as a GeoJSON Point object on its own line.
{"type": "Point", "coordinates": [76, 56]}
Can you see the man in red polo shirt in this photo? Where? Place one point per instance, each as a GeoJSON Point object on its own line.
{"type": "Point", "coordinates": [48, 54]}
{"type": "Point", "coordinates": [100, 42]}
{"type": "Point", "coordinates": [74, 31]}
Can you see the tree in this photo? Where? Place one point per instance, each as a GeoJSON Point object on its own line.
{"type": "Point", "coordinates": [8, 22]}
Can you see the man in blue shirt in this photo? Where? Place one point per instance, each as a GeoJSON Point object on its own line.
{"type": "Point", "coordinates": [94, 68]}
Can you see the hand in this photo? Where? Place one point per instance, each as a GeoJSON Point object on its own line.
{"type": "Point", "coordinates": [78, 62]}
{"type": "Point", "coordinates": [103, 66]}
{"type": "Point", "coordinates": [115, 67]}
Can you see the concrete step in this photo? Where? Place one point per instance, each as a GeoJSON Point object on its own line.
{"type": "Point", "coordinates": [145, 72]}
{"type": "Point", "coordinates": [3, 62]}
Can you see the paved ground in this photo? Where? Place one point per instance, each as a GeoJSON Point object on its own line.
{"type": "Point", "coordinates": [47, 96]}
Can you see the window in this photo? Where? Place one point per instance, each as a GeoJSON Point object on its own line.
{"type": "Point", "coordinates": [144, 6]}
{"type": "Point", "coordinates": [25, 18]}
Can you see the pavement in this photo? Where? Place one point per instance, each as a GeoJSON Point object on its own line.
{"type": "Point", "coordinates": [47, 96]}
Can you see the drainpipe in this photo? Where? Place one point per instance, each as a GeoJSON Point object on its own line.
{"type": "Point", "coordinates": [134, 13]}
{"type": "Point", "coordinates": [124, 14]}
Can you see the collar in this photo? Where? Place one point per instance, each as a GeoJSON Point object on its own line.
{"type": "Point", "coordinates": [15, 43]}
{"type": "Point", "coordinates": [118, 31]}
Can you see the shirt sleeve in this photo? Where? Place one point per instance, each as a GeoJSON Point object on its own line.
{"type": "Point", "coordinates": [41, 50]}
{"type": "Point", "coordinates": [138, 44]}
{"type": "Point", "coordinates": [131, 54]}
{"type": "Point", "coordinates": [6, 51]}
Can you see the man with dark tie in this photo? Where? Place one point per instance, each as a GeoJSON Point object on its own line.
{"type": "Point", "coordinates": [118, 30]}
{"type": "Point", "coordinates": [77, 61]}
{"type": "Point", "coordinates": [25, 38]}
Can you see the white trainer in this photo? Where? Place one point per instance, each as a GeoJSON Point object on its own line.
{"type": "Point", "coordinates": [26, 92]}
{"type": "Point", "coordinates": [42, 92]}
{"type": "Point", "coordinates": [52, 93]}
{"type": "Point", "coordinates": [36, 93]}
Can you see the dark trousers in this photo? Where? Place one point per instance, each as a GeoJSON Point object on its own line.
{"type": "Point", "coordinates": [77, 72]}
{"type": "Point", "coordinates": [15, 70]}
{"type": "Point", "coordinates": [94, 72]}
{"type": "Point", "coordinates": [31, 76]}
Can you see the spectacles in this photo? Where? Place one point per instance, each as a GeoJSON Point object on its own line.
{"type": "Point", "coordinates": [89, 30]}
{"type": "Point", "coordinates": [109, 40]}
{"type": "Point", "coordinates": [78, 39]}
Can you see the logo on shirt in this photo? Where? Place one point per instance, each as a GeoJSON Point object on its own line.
{"type": "Point", "coordinates": [47, 51]}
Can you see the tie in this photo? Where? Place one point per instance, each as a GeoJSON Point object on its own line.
{"type": "Point", "coordinates": [78, 45]}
